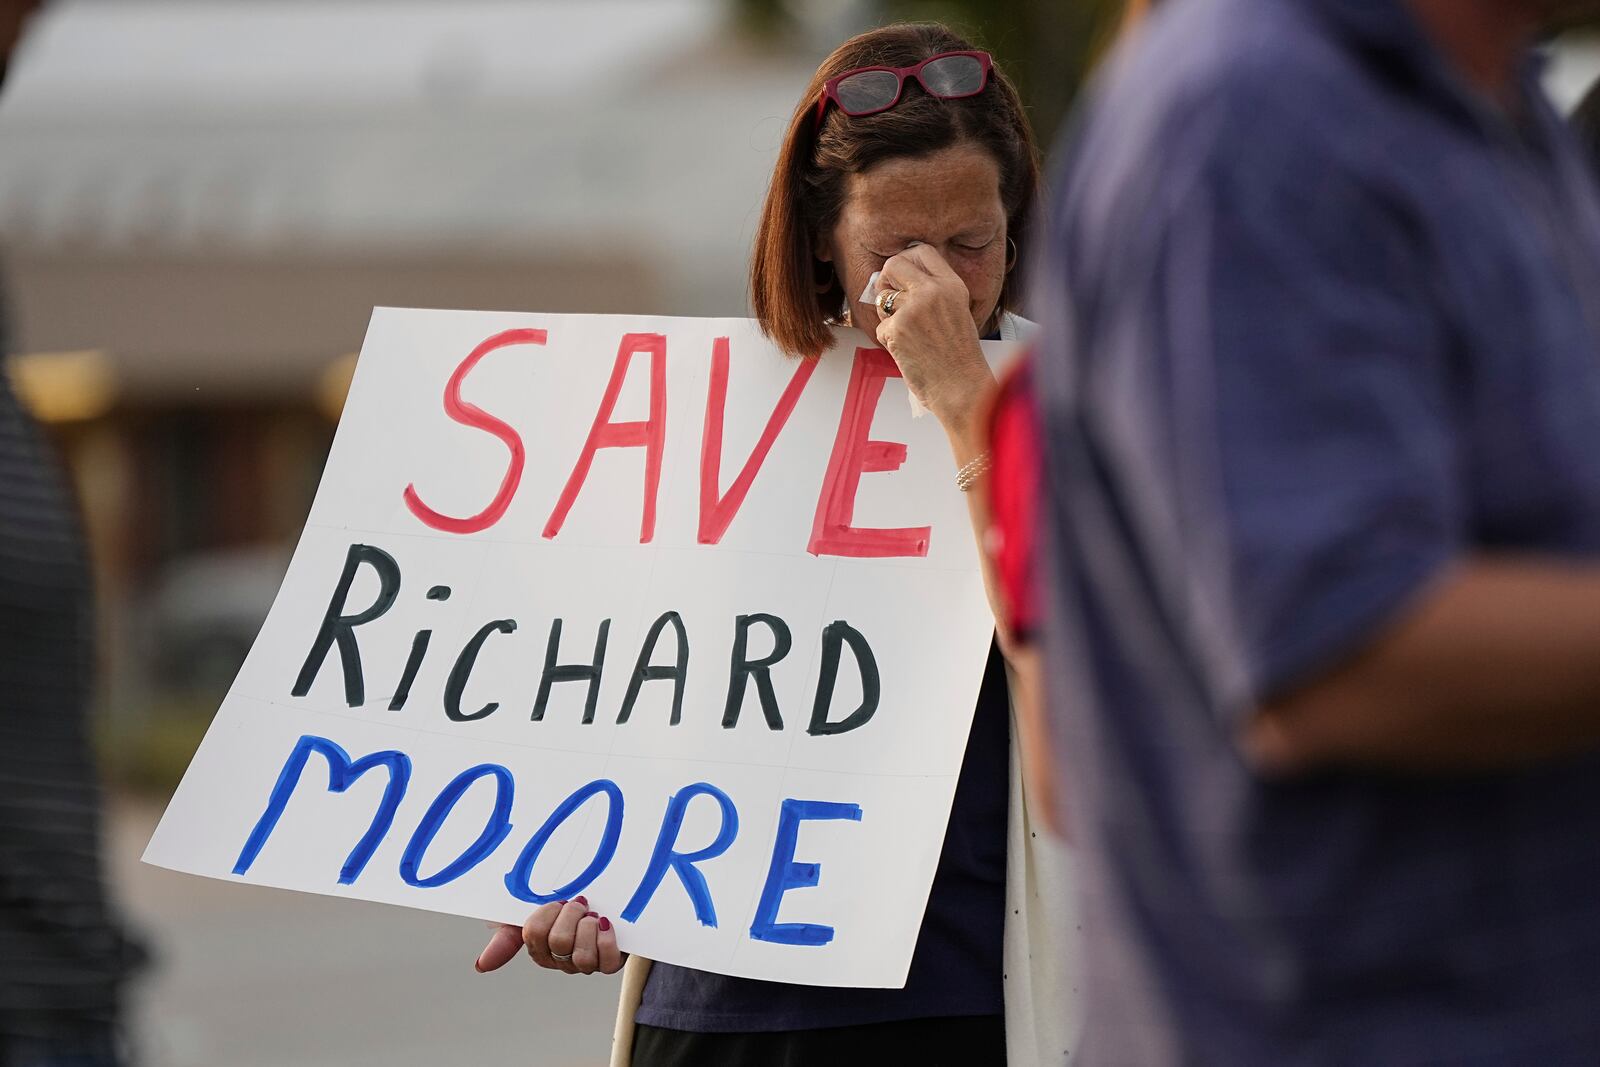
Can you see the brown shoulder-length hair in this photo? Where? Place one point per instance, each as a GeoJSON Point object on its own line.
{"type": "Point", "coordinates": [794, 294]}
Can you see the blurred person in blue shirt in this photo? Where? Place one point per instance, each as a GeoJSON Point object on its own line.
{"type": "Point", "coordinates": [62, 956]}
{"type": "Point", "coordinates": [1319, 382]}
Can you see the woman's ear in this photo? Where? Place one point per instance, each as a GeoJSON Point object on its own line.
{"type": "Point", "coordinates": [823, 245]}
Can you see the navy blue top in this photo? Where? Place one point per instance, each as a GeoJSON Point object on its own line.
{"type": "Point", "coordinates": [956, 968]}
{"type": "Point", "coordinates": [1316, 321]}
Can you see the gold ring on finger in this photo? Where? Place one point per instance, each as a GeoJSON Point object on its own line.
{"type": "Point", "coordinates": [885, 302]}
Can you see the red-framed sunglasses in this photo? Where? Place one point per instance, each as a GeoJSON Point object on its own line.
{"type": "Point", "coordinates": [869, 90]}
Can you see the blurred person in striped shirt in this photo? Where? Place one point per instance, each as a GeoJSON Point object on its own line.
{"type": "Point", "coordinates": [62, 956]}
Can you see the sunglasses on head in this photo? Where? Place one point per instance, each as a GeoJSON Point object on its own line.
{"type": "Point", "coordinates": [869, 90]}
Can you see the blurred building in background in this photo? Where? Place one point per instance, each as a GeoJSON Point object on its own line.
{"type": "Point", "coordinates": [200, 203]}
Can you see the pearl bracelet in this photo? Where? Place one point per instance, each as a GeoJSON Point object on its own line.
{"type": "Point", "coordinates": [974, 469]}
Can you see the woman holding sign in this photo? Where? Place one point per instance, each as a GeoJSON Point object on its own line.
{"type": "Point", "coordinates": [900, 205]}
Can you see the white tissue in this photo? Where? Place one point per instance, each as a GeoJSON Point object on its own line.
{"type": "Point", "coordinates": [869, 295]}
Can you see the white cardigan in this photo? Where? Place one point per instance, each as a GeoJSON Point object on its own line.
{"type": "Point", "coordinates": [1042, 1017]}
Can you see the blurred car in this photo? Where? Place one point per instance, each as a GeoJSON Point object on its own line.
{"type": "Point", "coordinates": [203, 612]}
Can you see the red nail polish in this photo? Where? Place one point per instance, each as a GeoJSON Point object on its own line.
{"type": "Point", "coordinates": [562, 903]}
{"type": "Point", "coordinates": [582, 900]}
{"type": "Point", "coordinates": [476, 960]}
{"type": "Point", "coordinates": [605, 923]}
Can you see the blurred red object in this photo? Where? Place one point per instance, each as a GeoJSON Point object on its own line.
{"type": "Point", "coordinates": [1013, 493]}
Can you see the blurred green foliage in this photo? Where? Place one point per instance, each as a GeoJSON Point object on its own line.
{"type": "Point", "coordinates": [1046, 46]}
{"type": "Point", "coordinates": [762, 18]}
{"type": "Point", "coordinates": [147, 752]}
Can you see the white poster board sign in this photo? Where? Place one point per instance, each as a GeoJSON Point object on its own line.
{"type": "Point", "coordinates": [636, 608]}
